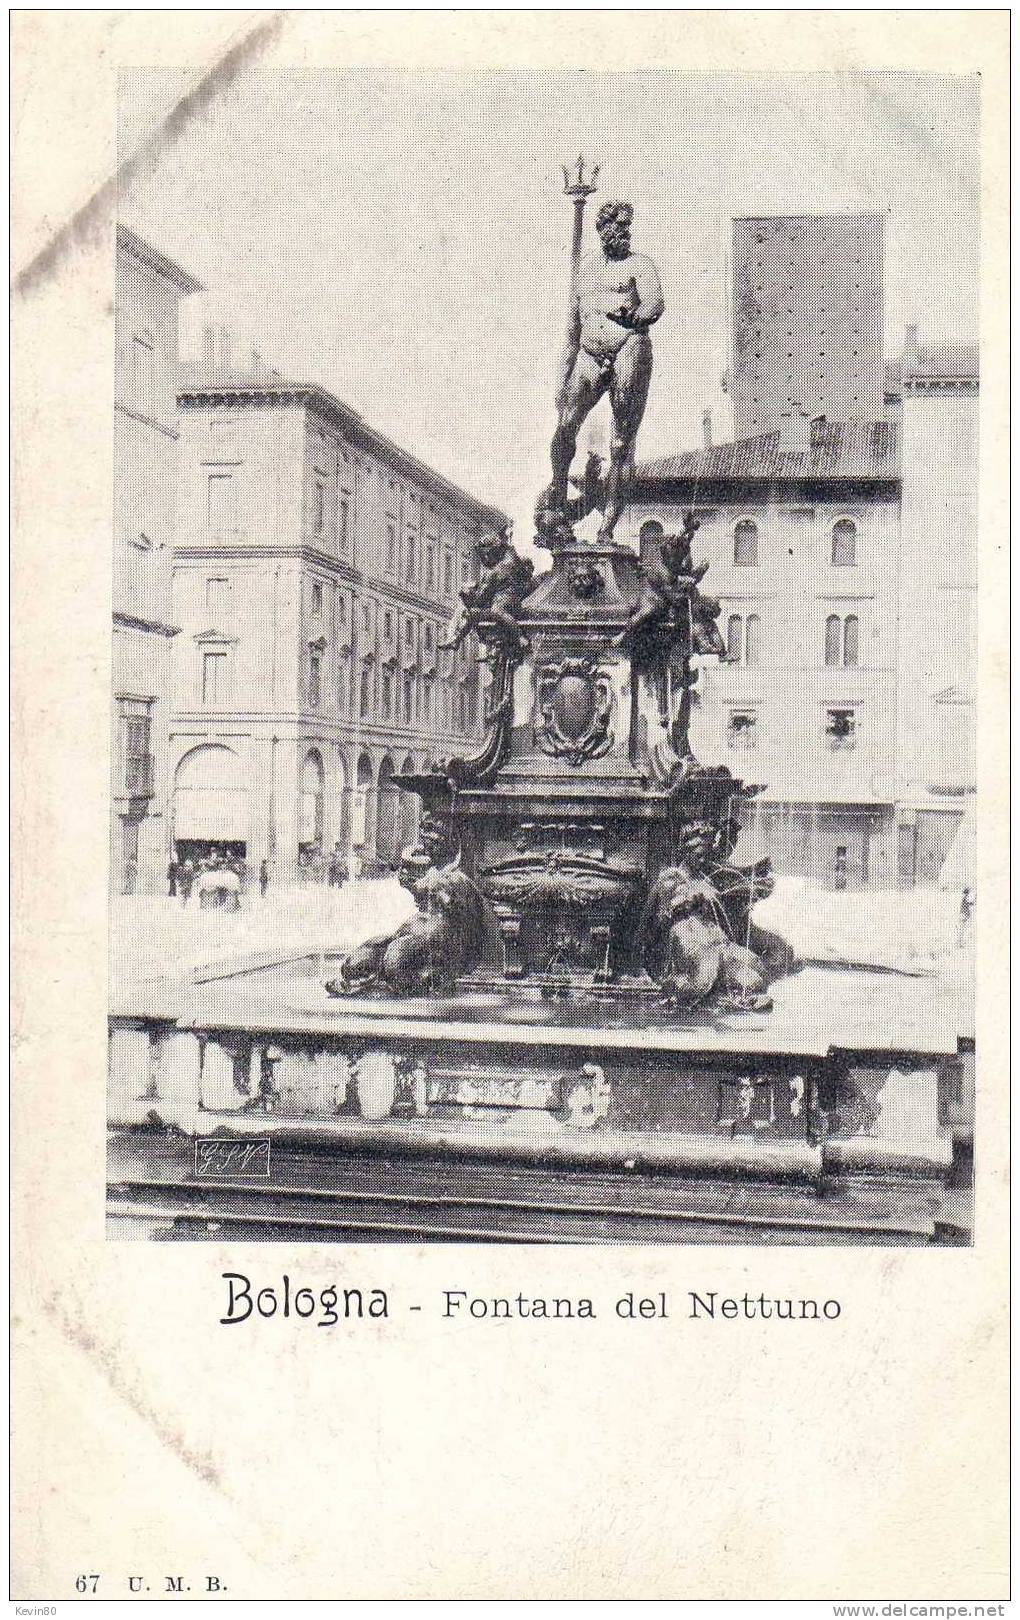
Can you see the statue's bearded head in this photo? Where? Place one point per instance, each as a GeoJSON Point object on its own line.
{"type": "Point", "coordinates": [613, 225]}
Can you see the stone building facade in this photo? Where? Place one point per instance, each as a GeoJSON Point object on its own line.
{"type": "Point", "coordinates": [148, 293]}
{"type": "Point", "coordinates": [800, 529]}
{"type": "Point", "coordinates": [844, 557]}
{"type": "Point", "coordinates": [933, 392]}
{"type": "Point", "coordinates": [317, 566]}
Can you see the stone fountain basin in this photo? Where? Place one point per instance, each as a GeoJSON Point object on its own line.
{"type": "Point", "coordinates": [815, 1010]}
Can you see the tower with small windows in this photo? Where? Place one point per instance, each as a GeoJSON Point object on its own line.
{"type": "Point", "coordinates": [807, 319]}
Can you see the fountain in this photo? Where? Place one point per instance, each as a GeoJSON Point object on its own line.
{"type": "Point", "coordinates": [582, 999]}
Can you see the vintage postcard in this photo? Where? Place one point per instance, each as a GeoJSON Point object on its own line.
{"type": "Point", "coordinates": [522, 530]}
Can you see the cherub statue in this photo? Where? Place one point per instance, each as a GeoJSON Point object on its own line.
{"type": "Point", "coordinates": [504, 581]}
{"type": "Point", "coordinates": [670, 597]}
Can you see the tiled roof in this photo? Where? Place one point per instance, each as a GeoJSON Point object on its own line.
{"type": "Point", "coordinates": [838, 450]}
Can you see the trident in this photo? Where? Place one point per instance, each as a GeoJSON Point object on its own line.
{"type": "Point", "coordinates": [578, 188]}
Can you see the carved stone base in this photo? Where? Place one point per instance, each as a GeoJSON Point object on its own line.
{"type": "Point", "coordinates": [773, 1140]}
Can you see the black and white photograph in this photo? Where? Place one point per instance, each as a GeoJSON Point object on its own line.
{"type": "Point", "coordinates": [544, 659]}
{"type": "Point", "coordinates": [510, 784]}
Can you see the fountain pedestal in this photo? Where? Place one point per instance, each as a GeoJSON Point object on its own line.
{"type": "Point", "coordinates": [572, 1039]}
{"type": "Point", "coordinates": [584, 823]}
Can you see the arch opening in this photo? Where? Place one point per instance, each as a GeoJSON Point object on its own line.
{"type": "Point", "coordinates": [210, 804]}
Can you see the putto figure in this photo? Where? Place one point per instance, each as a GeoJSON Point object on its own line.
{"type": "Point", "coordinates": [615, 301]}
{"type": "Point", "coordinates": [670, 597]}
{"type": "Point", "coordinates": [491, 606]}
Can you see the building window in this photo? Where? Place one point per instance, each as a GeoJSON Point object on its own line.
{"type": "Point", "coordinates": [842, 641]}
{"type": "Point", "coordinates": [734, 639]}
{"type": "Point", "coordinates": [214, 678]}
{"type": "Point", "coordinates": [366, 618]}
{"type": "Point", "coordinates": [743, 639]}
{"type": "Point", "coordinates": [137, 755]}
{"type": "Point", "coordinates": [411, 559]}
{"type": "Point", "coordinates": [408, 700]}
{"type": "Point", "coordinates": [752, 639]}
{"type": "Point", "coordinates": [387, 627]}
{"type": "Point", "coordinates": [851, 642]}
{"type": "Point", "coordinates": [314, 679]}
{"type": "Point", "coordinates": [448, 574]}
{"type": "Point", "coordinates": [387, 697]}
{"type": "Point", "coordinates": [426, 703]}
{"type": "Point", "coordinates": [841, 728]}
{"type": "Point", "coordinates": [318, 506]}
{"type": "Point", "coordinates": [316, 600]}
{"type": "Point", "coordinates": [391, 548]}
{"type": "Point", "coordinates": [409, 637]}
{"type": "Point", "coordinates": [844, 544]}
{"type": "Point", "coordinates": [217, 596]}
{"type": "Point", "coordinates": [343, 519]}
{"type": "Point", "coordinates": [364, 696]}
{"type": "Point", "coordinates": [430, 567]}
{"type": "Point", "coordinates": [221, 507]}
{"type": "Point", "coordinates": [745, 544]}
{"type": "Point", "coordinates": [741, 730]}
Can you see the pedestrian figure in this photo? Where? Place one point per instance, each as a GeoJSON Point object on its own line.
{"type": "Point", "coordinates": [185, 879]}
{"type": "Point", "coordinates": [263, 877]}
{"type": "Point", "coordinates": [966, 911]}
{"type": "Point", "coordinates": [171, 877]}
{"type": "Point", "coordinates": [337, 870]}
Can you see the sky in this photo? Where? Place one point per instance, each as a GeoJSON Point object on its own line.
{"type": "Point", "coordinates": [402, 239]}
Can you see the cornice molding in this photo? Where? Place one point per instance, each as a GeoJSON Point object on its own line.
{"type": "Point", "coordinates": [940, 385]}
{"type": "Point", "coordinates": [131, 621]}
{"type": "Point", "coordinates": [136, 248]}
{"type": "Point", "coordinates": [220, 725]}
{"type": "Point", "coordinates": [354, 427]}
{"type": "Point", "coordinates": [743, 489]}
{"type": "Point", "coordinates": [147, 421]}
{"type": "Point", "coordinates": [219, 638]}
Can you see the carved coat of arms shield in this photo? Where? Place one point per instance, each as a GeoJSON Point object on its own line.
{"type": "Point", "coordinates": [574, 703]}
